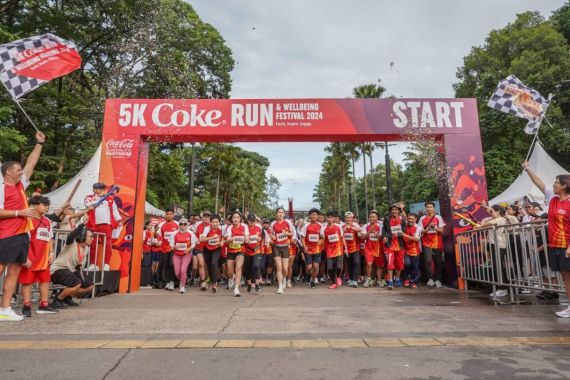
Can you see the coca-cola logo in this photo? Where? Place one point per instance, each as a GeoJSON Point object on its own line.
{"type": "Point", "coordinates": [120, 148]}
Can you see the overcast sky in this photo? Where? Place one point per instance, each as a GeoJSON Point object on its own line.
{"type": "Point", "coordinates": [324, 48]}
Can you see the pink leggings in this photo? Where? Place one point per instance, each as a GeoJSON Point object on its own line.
{"type": "Point", "coordinates": [180, 264]}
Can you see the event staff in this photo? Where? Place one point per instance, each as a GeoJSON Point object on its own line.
{"type": "Point", "coordinates": [350, 231]}
{"type": "Point", "coordinates": [558, 198]}
{"type": "Point", "coordinates": [311, 239]}
{"type": "Point", "coordinates": [282, 231]}
{"type": "Point", "coordinates": [14, 224]}
{"type": "Point", "coordinates": [236, 237]}
{"type": "Point", "coordinates": [211, 238]}
{"type": "Point", "coordinates": [432, 244]}
{"type": "Point", "coordinates": [102, 218]}
{"type": "Point", "coordinates": [167, 229]}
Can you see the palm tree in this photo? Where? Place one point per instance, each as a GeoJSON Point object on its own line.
{"type": "Point", "coordinates": [370, 91]}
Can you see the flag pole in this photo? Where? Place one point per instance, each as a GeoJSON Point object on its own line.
{"type": "Point", "coordinates": [543, 117]}
{"type": "Point", "coordinates": [21, 108]}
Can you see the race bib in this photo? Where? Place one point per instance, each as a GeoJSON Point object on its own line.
{"type": "Point", "coordinates": [313, 238]}
{"type": "Point", "coordinates": [561, 211]}
{"type": "Point", "coordinates": [373, 237]}
{"type": "Point", "coordinates": [349, 236]}
{"type": "Point", "coordinates": [169, 235]}
{"type": "Point", "coordinates": [214, 241]}
{"type": "Point", "coordinates": [43, 234]}
{"type": "Point", "coordinates": [332, 238]}
{"type": "Point", "coordinates": [181, 246]}
{"type": "Point", "coordinates": [281, 236]}
{"type": "Point", "coordinates": [396, 230]}
{"type": "Point", "coordinates": [238, 240]}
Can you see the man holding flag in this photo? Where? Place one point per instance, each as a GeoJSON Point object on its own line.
{"type": "Point", "coordinates": [14, 224]}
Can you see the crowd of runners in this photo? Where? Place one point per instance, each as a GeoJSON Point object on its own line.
{"type": "Point", "coordinates": [390, 252]}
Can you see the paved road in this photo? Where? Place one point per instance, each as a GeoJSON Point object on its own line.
{"type": "Point", "coordinates": [343, 334]}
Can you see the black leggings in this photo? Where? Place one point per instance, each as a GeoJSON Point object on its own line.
{"type": "Point", "coordinates": [252, 266]}
{"type": "Point", "coordinates": [354, 266]}
{"type": "Point", "coordinates": [165, 267]}
{"type": "Point", "coordinates": [334, 267]}
{"type": "Point", "coordinates": [212, 259]}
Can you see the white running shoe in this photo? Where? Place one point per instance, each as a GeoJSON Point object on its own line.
{"type": "Point", "coordinates": [498, 293]}
{"type": "Point", "coordinates": [430, 283]}
{"type": "Point", "coordinates": [367, 282]}
{"type": "Point", "coordinates": [9, 315]}
{"type": "Point", "coordinates": [438, 284]}
{"type": "Point", "coordinates": [280, 290]}
{"type": "Point", "coordinates": [92, 268]}
{"type": "Point", "coordinates": [231, 283]}
{"type": "Point", "coordinates": [182, 290]}
{"type": "Point", "coordinates": [236, 292]}
{"type": "Point", "coordinates": [563, 313]}
{"type": "Point", "coordinates": [316, 281]}
{"type": "Point", "coordinates": [288, 283]}
{"type": "Point", "coordinates": [170, 285]}
{"type": "Point", "coordinates": [106, 268]}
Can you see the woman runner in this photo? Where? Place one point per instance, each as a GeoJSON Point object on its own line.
{"type": "Point", "coordinates": [236, 236]}
{"type": "Point", "coordinates": [184, 241]}
{"type": "Point", "coordinates": [282, 230]}
{"type": "Point", "coordinates": [252, 262]}
{"type": "Point", "coordinates": [211, 238]}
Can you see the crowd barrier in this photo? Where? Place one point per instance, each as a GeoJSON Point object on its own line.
{"type": "Point", "coordinates": [60, 236]}
{"type": "Point", "coordinates": [513, 257]}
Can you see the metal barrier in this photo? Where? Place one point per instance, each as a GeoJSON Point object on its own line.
{"type": "Point", "coordinates": [60, 236]}
{"type": "Point", "coordinates": [511, 256]}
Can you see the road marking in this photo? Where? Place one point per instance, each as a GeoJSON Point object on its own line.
{"type": "Point", "coordinates": [281, 343]}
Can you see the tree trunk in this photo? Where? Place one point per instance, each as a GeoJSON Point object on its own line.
{"type": "Point", "coordinates": [354, 188]}
{"type": "Point", "coordinates": [217, 192]}
{"type": "Point", "coordinates": [372, 178]}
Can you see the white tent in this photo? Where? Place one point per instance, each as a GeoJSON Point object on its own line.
{"type": "Point", "coordinates": [88, 175]}
{"type": "Point", "coordinates": [544, 166]}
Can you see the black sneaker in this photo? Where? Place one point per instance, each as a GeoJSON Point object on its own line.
{"type": "Point", "coordinates": [70, 302]}
{"type": "Point", "coordinates": [58, 304]}
{"type": "Point", "coordinates": [249, 288]}
{"type": "Point", "coordinates": [551, 296]}
{"type": "Point", "coordinates": [26, 311]}
{"type": "Point", "coordinates": [312, 285]}
{"type": "Point", "coordinates": [257, 288]}
{"type": "Point", "coordinates": [49, 309]}
{"type": "Point", "coordinates": [541, 295]}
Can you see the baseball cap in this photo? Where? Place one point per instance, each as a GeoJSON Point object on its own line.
{"type": "Point", "coordinates": [348, 213]}
{"type": "Point", "coordinates": [206, 212]}
{"type": "Point", "coordinates": [99, 185]}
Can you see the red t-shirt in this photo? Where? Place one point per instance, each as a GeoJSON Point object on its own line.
{"type": "Point", "coordinates": [373, 243]}
{"type": "Point", "coordinates": [412, 247]}
{"type": "Point", "coordinates": [200, 228]}
{"type": "Point", "coordinates": [311, 234]}
{"type": "Point", "coordinates": [148, 235]}
{"type": "Point", "coordinates": [432, 238]}
{"type": "Point", "coordinates": [395, 228]}
{"type": "Point", "coordinates": [333, 238]}
{"type": "Point", "coordinates": [40, 237]}
{"type": "Point", "coordinates": [280, 228]}
{"type": "Point", "coordinates": [214, 238]}
{"type": "Point", "coordinates": [183, 241]}
{"type": "Point", "coordinates": [267, 248]}
{"type": "Point", "coordinates": [255, 240]}
{"type": "Point", "coordinates": [13, 197]}
{"type": "Point", "coordinates": [351, 238]}
{"type": "Point", "coordinates": [157, 239]}
{"type": "Point", "coordinates": [239, 232]}
{"type": "Point", "coordinates": [167, 231]}
{"type": "Point", "coordinates": [558, 220]}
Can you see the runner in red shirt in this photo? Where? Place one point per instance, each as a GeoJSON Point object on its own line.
{"type": "Point", "coordinates": [211, 238]}
{"type": "Point", "coordinates": [411, 236]}
{"type": "Point", "coordinates": [558, 198]}
{"type": "Point", "coordinates": [237, 236]}
{"type": "Point", "coordinates": [155, 247]}
{"type": "Point", "coordinates": [184, 241]}
{"type": "Point", "coordinates": [372, 233]}
{"type": "Point", "coordinates": [40, 256]}
{"type": "Point", "coordinates": [350, 231]}
{"type": "Point", "coordinates": [147, 245]}
{"type": "Point", "coordinates": [199, 228]}
{"type": "Point", "coordinates": [14, 224]}
{"type": "Point", "coordinates": [167, 229]}
{"type": "Point", "coordinates": [293, 249]}
{"type": "Point", "coordinates": [282, 231]}
{"type": "Point", "coordinates": [335, 245]}
{"type": "Point", "coordinates": [432, 226]}
{"type": "Point", "coordinates": [267, 257]}
{"type": "Point", "coordinates": [311, 240]}
{"type": "Point", "coordinates": [252, 261]}
{"type": "Point", "coordinates": [394, 245]}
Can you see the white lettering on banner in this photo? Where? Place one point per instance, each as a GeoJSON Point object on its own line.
{"type": "Point", "coordinates": [134, 117]}
{"type": "Point", "coordinates": [423, 115]}
{"type": "Point", "coordinates": [252, 115]}
{"type": "Point", "coordinates": [184, 118]}
{"type": "Point", "coordinates": [119, 148]}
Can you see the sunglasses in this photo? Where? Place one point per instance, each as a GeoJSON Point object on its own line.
{"type": "Point", "coordinates": [183, 224]}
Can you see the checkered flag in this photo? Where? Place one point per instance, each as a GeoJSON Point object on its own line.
{"type": "Point", "coordinates": [28, 63]}
{"type": "Point", "coordinates": [514, 98]}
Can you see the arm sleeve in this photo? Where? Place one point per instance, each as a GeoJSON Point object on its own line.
{"type": "Point", "coordinates": [89, 201]}
{"type": "Point", "coordinates": [440, 221]}
{"type": "Point", "coordinates": [246, 230]}
{"type": "Point", "coordinates": [303, 231]}
{"type": "Point", "coordinates": [548, 194]}
{"type": "Point", "coordinates": [322, 232]}
{"type": "Point", "coordinates": [116, 213]}
{"type": "Point", "coordinates": [2, 196]}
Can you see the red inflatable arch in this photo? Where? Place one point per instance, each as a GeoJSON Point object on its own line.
{"type": "Point", "coordinates": [131, 124]}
